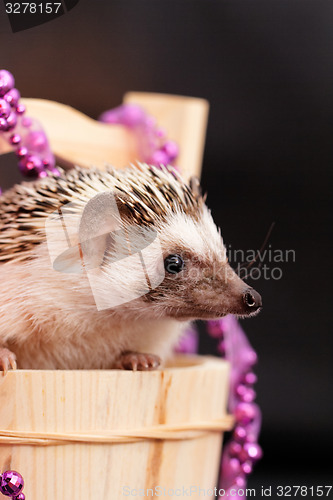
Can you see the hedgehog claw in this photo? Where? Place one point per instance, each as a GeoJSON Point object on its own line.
{"type": "Point", "coordinates": [7, 360]}
{"type": "Point", "coordinates": [137, 361]}
{"type": "Point", "coordinates": [13, 363]}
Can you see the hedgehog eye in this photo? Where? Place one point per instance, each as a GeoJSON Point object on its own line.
{"type": "Point", "coordinates": [174, 264]}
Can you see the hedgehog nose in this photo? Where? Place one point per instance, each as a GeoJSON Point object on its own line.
{"type": "Point", "coordinates": [252, 299]}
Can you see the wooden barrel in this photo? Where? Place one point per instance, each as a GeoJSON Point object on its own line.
{"type": "Point", "coordinates": [114, 434]}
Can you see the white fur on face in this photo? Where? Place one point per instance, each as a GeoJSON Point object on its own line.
{"type": "Point", "coordinates": [119, 282]}
{"type": "Point", "coordinates": [201, 238]}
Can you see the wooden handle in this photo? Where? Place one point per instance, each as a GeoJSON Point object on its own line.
{"type": "Point", "coordinates": [80, 140]}
{"type": "Point", "coordinates": [76, 139]}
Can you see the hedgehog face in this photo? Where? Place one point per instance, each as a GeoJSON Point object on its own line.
{"type": "Point", "coordinates": [199, 283]}
{"type": "Point", "coordinates": [172, 264]}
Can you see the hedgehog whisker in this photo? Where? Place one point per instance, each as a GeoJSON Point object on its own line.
{"type": "Point", "coordinates": [254, 274]}
{"type": "Point", "coordinates": [250, 264]}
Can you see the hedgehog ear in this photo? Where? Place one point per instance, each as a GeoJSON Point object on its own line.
{"type": "Point", "coordinates": [101, 216]}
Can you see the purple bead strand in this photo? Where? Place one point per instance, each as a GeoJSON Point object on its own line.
{"type": "Point", "coordinates": [31, 146]}
{"type": "Point", "coordinates": [242, 451]}
{"type": "Point", "coordinates": [153, 147]}
{"type": "Point", "coordinates": [24, 134]}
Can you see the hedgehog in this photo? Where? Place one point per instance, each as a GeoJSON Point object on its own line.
{"type": "Point", "coordinates": [106, 269]}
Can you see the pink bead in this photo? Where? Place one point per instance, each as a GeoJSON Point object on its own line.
{"type": "Point", "coordinates": [245, 413]}
{"type": "Point", "coordinates": [31, 166]}
{"type": "Point", "coordinates": [3, 125]}
{"type": "Point", "coordinates": [253, 451]}
{"type": "Point", "coordinates": [11, 483]}
{"type": "Point", "coordinates": [48, 160]}
{"type": "Point", "coordinates": [21, 496]}
{"type": "Point", "coordinates": [21, 152]}
{"type": "Point", "coordinates": [11, 121]}
{"type": "Point", "coordinates": [233, 467]}
{"type": "Point", "coordinates": [243, 456]}
{"type": "Point", "coordinates": [249, 396]}
{"type": "Point", "coordinates": [7, 82]}
{"type": "Point", "coordinates": [250, 452]}
{"type": "Point", "coordinates": [12, 97]}
{"type": "Point", "coordinates": [26, 121]}
{"type": "Point", "coordinates": [4, 108]}
{"type": "Point", "coordinates": [240, 433]}
{"type": "Point", "coordinates": [15, 139]}
{"type": "Point", "coordinates": [240, 482]}
{"type": "Point", "coordinates": [251, 358]}
{"type": "Point", "coordinates": [20, 109]}
{"type": "Point", "coordinates": [247, 468]}
{"type": "Point", "coordinates": [250, 378]}
{"type": "Point", "coordinates": [171, 149]}
{"type": "Point", "coordinates": [159, 158]}
{"type": "Point", "coordinates": [36, 141]}
{"type": "Point", "coordinates": [235, 449]}
{"type": "Point", "coordinates": [240, 390]}
{"type": "Point", "coordinates": [160, 133]}
{"type": "Point", "coordinates": [132, 115]}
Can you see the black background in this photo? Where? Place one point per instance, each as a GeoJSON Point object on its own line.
{"type": "Point", "coordinates": [266, 69]}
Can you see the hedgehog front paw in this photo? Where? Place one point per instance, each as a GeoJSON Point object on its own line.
{"type": "Point", "coordinates": [137, 361]}
{"type": "Point", "coordinates": [7, 360]}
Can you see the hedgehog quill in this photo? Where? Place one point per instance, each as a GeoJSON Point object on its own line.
{"type": "Point", "coordinates": [48, 315]}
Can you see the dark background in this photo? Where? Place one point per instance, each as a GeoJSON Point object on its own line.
{"type": "Point", "coordinates": [266, 69]}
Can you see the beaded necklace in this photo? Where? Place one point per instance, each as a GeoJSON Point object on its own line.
{"type": "Point", "coordinates": [23, 133]}
{"type": "Point", "coordinates": [36, 160]}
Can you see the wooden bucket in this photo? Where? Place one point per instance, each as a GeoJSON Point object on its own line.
{"type": "Point", "coordinates": [114, 434]}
